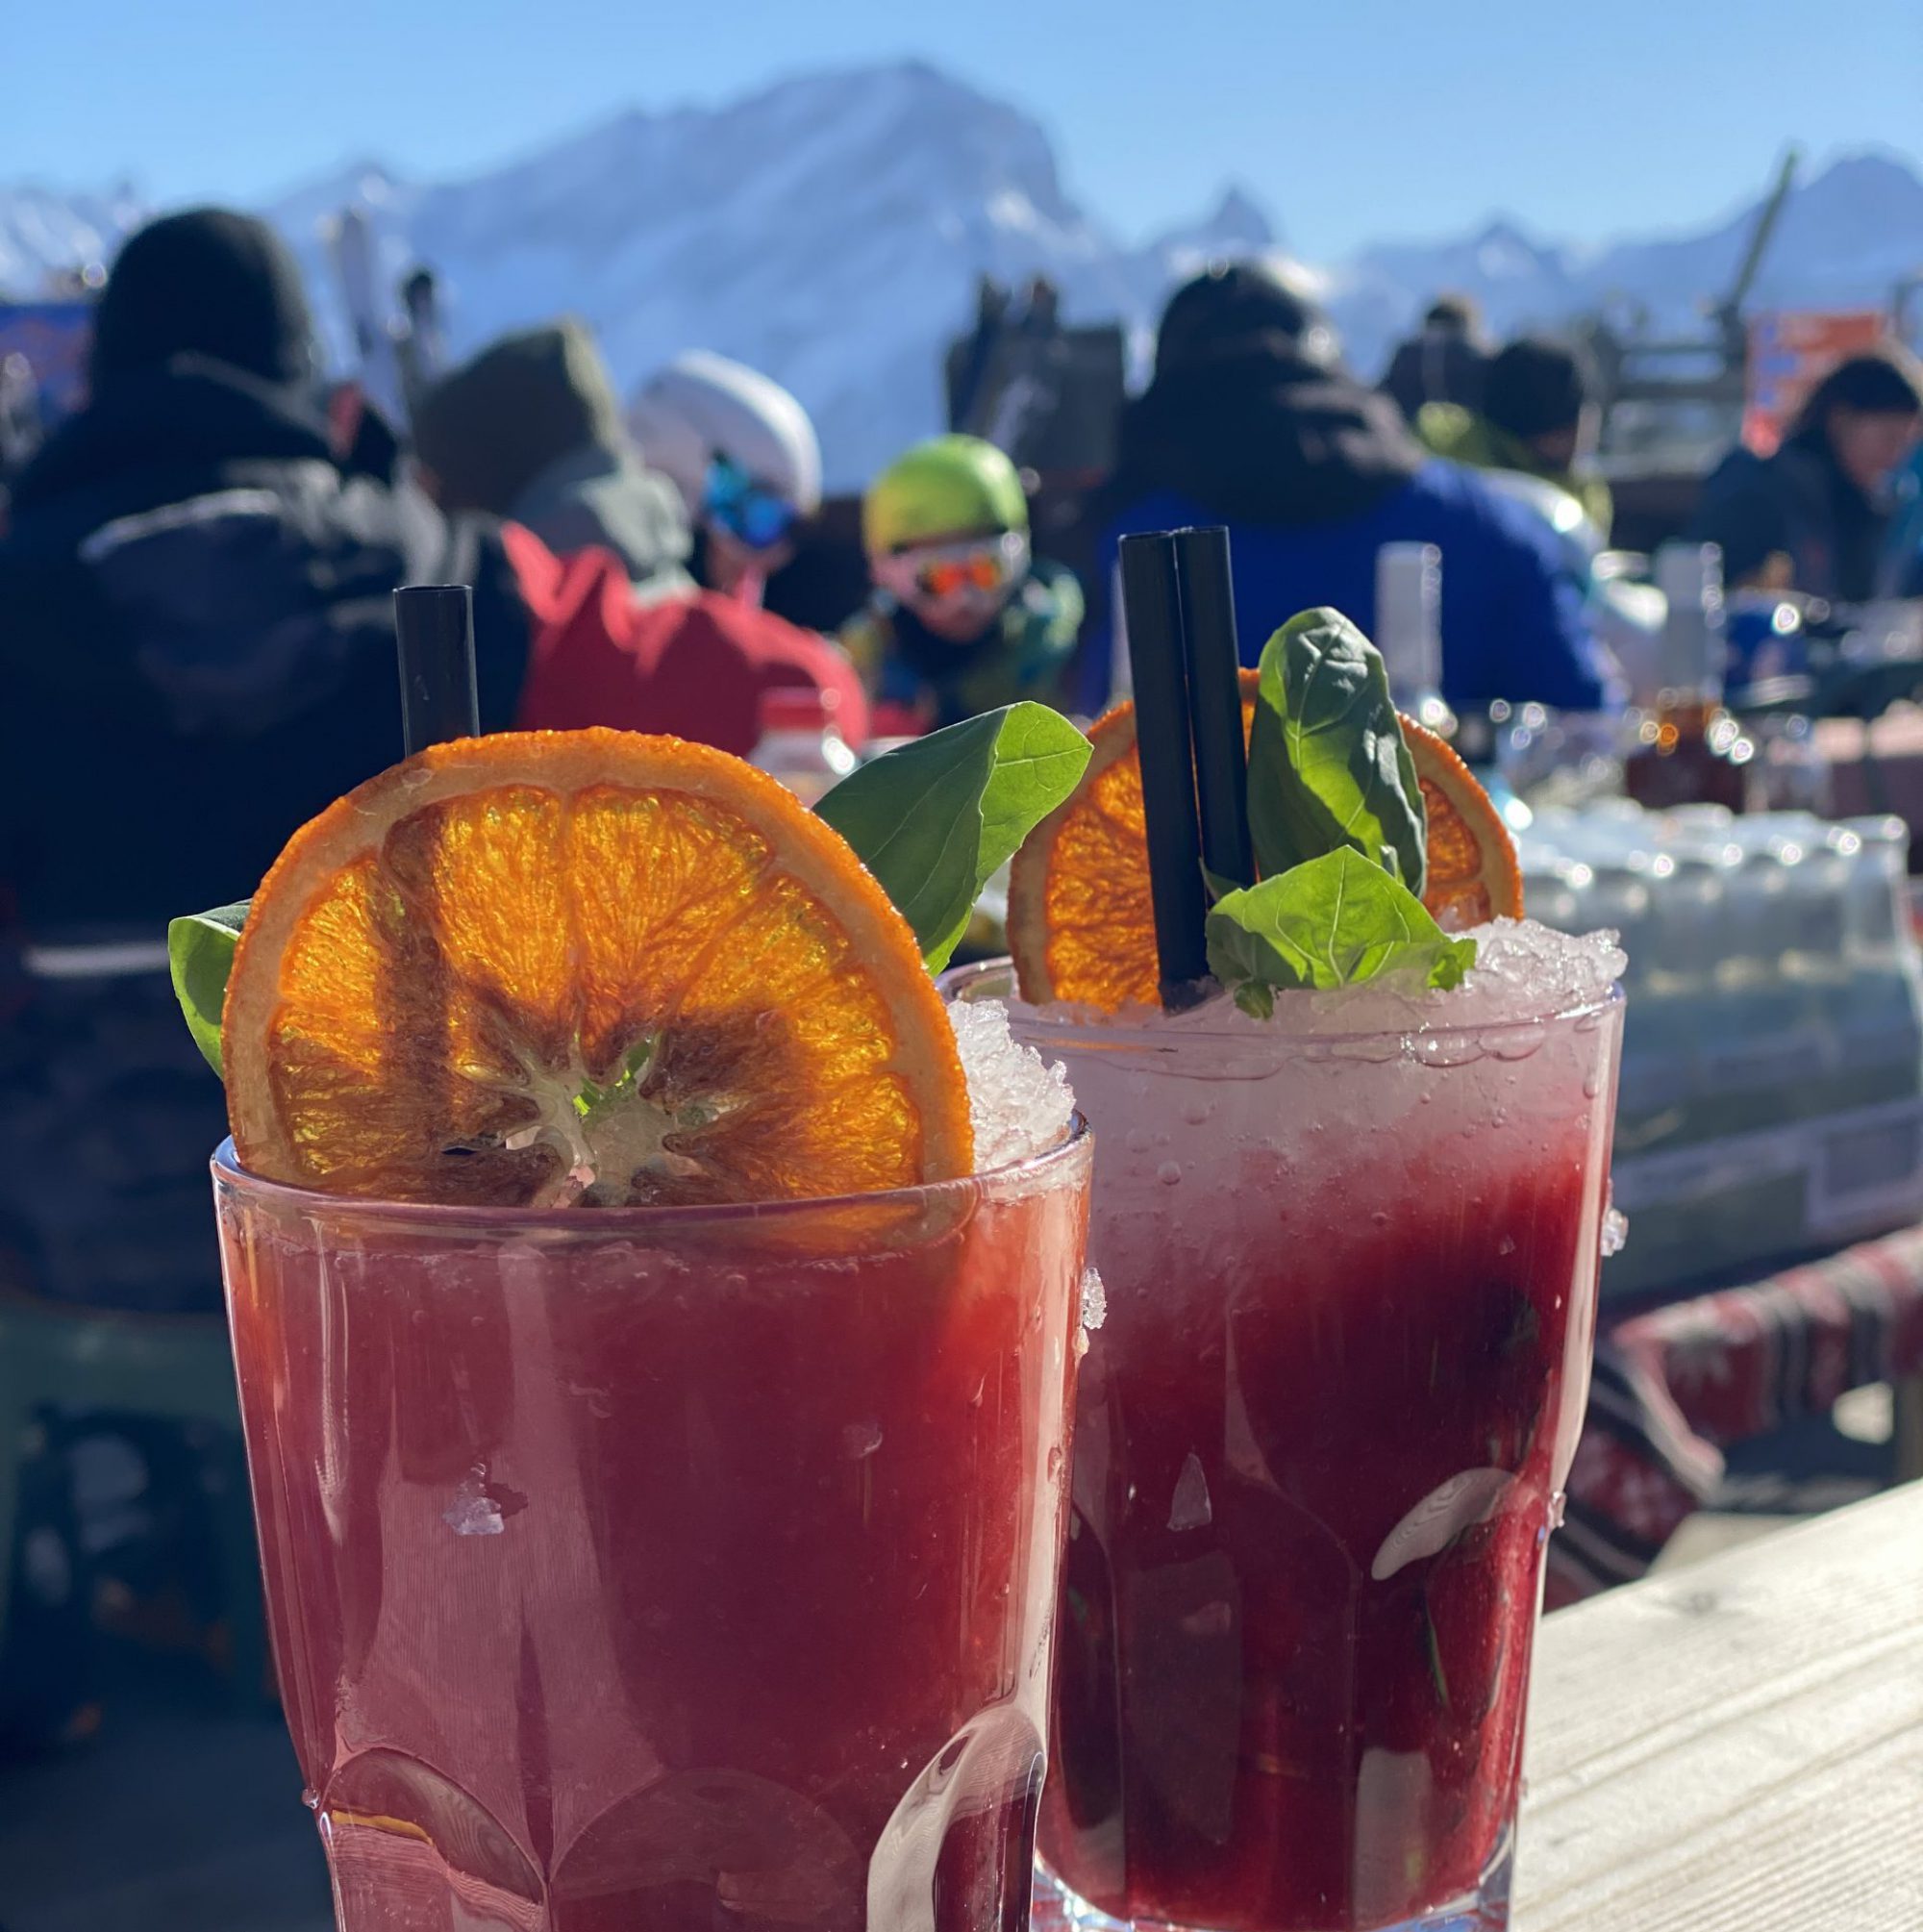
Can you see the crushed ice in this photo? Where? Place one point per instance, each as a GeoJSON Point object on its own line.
{"type": "Point", "coordinates": [1545, 970]}
{"type": "Point", "coordinates": [1190, 1507]}
{"type": "Point", "coordinates": [1094, 1298]}
{"type": "Point", "coordinates": [1616, 1232]}
{"type": "Point", "coordinates": [1523, 972]}
{"type": "Point", "coordinates": [475, 1513]}
{"type": "Point", "coordinates": [1019, 1105]}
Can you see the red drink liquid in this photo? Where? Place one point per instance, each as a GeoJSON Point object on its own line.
{"type": "Point", "coordinates": [681, 1571]}
{"type": "Point", "coordinates": [1351, 1287]}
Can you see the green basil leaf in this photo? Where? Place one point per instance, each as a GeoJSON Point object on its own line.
{"type": "Point", "coordinates": [1328, 767]}
{"type": "Point", "coordinates": [200, 953]}
{"type": "Point", "coordinates": [935, 819]}
{"type": "Point", "coordinates": [1337, 920]}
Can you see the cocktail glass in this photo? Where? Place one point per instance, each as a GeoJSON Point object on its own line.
{"type": "Point", "coordinates": [665, 1569]}
{"type": "Point", "coordinates": [1350, 1257]}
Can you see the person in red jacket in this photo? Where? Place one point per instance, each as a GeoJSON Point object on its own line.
{"type": "Point", "coordinates": [695, 667]}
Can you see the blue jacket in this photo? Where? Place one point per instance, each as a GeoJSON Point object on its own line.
{"type": "Point", "coordinates": [1513, 624]}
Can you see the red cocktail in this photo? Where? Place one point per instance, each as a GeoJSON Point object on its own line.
{"type": "Point", "coordinates": [1350, 1256]}
{"type": "Point", "coordinates": [677, 1568]}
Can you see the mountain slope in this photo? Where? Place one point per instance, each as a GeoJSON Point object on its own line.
{"type": "Point", "coordinates": [1848, 234]}
{"type": "Point", "coordinates": [831, 230]}
{"type": "Point", "coordinates": [828, 231]}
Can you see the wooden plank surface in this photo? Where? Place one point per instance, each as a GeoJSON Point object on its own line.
{"type": "Point", "coordinates": [1738, 1746]}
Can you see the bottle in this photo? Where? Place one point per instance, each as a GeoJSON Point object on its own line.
{"type": "Point", "coordinates": [1408, 632]}
{"type": "Point", "coordinates": [1689, 751]}
{"type": "Point", "coordinates": [801, 744]}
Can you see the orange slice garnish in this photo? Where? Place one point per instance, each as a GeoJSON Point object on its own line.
{"type": "Point", "coordinates": [590, 966]}
{"type": "Point", "coordinates": [1081, 923]}
{"type": "Point", "coordinates": [1473, 872]}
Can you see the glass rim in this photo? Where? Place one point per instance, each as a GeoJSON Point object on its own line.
{"type": "Point", "coordinates": [1099, 1035]}
{"type": "Point", "coordinates": [1043, 1168]}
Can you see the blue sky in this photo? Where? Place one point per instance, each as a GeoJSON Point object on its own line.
{"type": "Point", "coordinates": [1350, 119]}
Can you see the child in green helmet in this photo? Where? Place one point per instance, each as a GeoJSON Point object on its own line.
{"type": "Point", "coordinates": [963, 619]}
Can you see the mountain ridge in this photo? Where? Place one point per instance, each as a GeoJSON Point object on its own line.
{"type": "Point", "coordinates": [830, 228]}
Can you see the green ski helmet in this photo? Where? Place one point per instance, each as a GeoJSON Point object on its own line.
{"type": "Point", "coordinates": [950, 486]}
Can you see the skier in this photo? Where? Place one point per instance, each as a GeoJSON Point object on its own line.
{"type": "Point", "coordinates": [1539, 419]}
{"type": "Point", "coordinates": [530, 430]}
{"type": "Point", "coordinates": [963, 619]}
{"type": "Point", "coordinates": [1445, 362]}
{"type": "Point", "coordinates": [744, 457]}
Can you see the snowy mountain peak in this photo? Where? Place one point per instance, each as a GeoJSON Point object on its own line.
{"type": "Point", "coordinates": [1505, 252]}
{"type": "Point", "coordinates": [1240, 219]}
{"type": "Point", "coordinates": [1238, 226]}
{"type": "Point", "coordinates": [830, 228]}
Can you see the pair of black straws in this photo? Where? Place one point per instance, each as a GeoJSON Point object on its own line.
{"type": "Point", "coordinates": [1179, 612]}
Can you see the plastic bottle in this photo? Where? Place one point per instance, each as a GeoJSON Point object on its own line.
{"type": "Point", "coordinates": [800, 743]}
{"type": "Point", "coordinates": [1409, 631]}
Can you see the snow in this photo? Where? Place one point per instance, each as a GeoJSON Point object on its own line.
{"type": "Point", "coordinates": [831, 229]}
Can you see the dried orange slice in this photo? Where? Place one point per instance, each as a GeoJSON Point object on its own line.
{"type": "Point", "coordinates": [1081, 923]}
{"type": "Point", "coordinates": [1473, 873]}
{"type": "Point", "coordinates": [587, 965]}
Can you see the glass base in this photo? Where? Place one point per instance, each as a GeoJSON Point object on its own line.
{"type": "Point", "coordinates": [1485, 1908]}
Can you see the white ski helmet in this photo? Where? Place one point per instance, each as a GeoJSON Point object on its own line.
{"type": "Point", "coordinates": [702, 406]}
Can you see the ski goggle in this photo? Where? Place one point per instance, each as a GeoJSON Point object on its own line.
{"type": "Point", "coordinates": [747, 511]}
{"type": "Point", "coordinates": [938, 573]}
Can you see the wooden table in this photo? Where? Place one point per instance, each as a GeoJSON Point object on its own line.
{"type": "Point", "coordinates": [1736, 1746]}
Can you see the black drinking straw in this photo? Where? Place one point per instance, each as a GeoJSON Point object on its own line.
{"type": "Point", "coordinates": [1152, 610]}
{"type": "Point", "coordinates": [1215, 702]}
{"type": "Point", "coordinates": [433, 635]}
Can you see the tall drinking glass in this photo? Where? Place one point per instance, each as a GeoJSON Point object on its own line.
{"type": "Point", "coordinates": [1350, 1256]}
{"type": "Point", "coordinates": [670, 1568]}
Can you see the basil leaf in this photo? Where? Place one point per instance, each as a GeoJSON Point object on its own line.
{"type": "Point", "coordinates": [200, 955]}
{"type": "Point", "coordinates": [935, 819]}
{"type": "Point", "coordinates": [1328, 767]}
{"type": "Point", "coordinates": [1337, 920]}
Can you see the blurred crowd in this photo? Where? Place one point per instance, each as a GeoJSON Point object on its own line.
{"type": "Point", "coordinates": [197, 645]}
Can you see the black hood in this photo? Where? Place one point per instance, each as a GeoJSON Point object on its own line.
{"type": "Point", "coordinates": [1257, 435]}
{"type": "Point", "coordinates": [205, 282]}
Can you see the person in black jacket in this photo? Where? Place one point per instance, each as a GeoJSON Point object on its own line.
{"type": "Point", "coordinates": [1814, 516]}
{"type": "Point", "coordinates": [1445, 363]}
{"type": "Point", "coordinates": [196, 655]}
{"type": "Point", "coordinates": [1253, 421]}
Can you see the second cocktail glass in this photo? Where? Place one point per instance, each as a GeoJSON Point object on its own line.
{"type": "Point", "coordinates": [678, 1569]}
{"type": "Point", "coordinates": [1350, 1257]}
